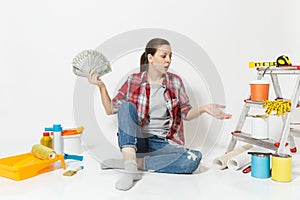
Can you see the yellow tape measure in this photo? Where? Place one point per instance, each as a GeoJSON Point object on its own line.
{"type": "Point", "coordinates": [281, 61]}
{"type": "Point", "coordinates": [261, 64]}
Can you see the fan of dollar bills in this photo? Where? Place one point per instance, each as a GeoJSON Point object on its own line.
{"type": "Point", "coordinates": [88, 60]}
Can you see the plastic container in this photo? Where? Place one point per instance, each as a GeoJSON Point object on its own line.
{"type": "Point", "coordinates": [260, 164]}
{"type": "Point", "coordinates": [72, 142]}
{"type": "Point", "coordinates": [27, 165]}
{"type": "Point", "coordinates": [58, 143]}
{"type": "Point", "coordinates": [260, 127]}
{"type": "Point", "coordinates": [46, 140]}
{"type": "Point", "coordinates": [259, 90]}
{"type": "Point", "coordinates": [281, 168]}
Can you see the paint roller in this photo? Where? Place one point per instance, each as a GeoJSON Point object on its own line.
{"type": "Point", "coordinates": [42, 152]}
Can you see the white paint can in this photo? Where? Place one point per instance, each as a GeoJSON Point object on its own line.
{"type": "Point", "coordinates": [72, 144]}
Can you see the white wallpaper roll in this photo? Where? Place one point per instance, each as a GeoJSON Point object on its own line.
{"type": "Point", "coordinates": [239, 161]}
{"type": "Point", "coordinates": [221, 162]}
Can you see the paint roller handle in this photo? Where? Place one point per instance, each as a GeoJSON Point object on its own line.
{"type": "Point", "coordinates": [73, 157]}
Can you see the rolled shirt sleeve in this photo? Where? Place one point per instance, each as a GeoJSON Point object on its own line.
{"type": "Point", "coordinates": [120, 97]}
{"type": "Point", "coordinates": [184, 100]}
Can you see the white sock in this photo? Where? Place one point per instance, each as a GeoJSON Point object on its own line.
{"type": "Point", "coordinates": [112, 164]}
{"type": "Point", "coordinates": [130, 175]}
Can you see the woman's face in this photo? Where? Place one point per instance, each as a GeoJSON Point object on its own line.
{"type": "Point", "coordinates": [161, 60]}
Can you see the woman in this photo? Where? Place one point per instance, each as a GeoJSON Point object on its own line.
{"type": "Point", "coordinates": [151, 107]}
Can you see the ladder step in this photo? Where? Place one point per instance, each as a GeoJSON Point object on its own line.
{"type": "Point", "coordinates": [259, 104]}
{"type": "Point", "coordinates": [245, 137]}
{"type": "Point", "coordinates": [295, 132]}
{"type": "Point", "coordinates": [251, 103]}
{"type": "Point", "coordinates": [278, 70]}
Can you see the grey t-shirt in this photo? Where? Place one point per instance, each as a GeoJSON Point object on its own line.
{"type": "Point", "coordinates": [159, 118]}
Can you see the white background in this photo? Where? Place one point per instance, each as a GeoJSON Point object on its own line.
{"type": "Point", "coordinates": [40, 38]}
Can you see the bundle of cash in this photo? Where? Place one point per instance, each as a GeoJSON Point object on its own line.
{"type": "Point", "coordinates": [88, 60]}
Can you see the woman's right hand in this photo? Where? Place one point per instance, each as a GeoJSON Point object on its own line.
{"type": "Point", "coordinates": [94, 78]}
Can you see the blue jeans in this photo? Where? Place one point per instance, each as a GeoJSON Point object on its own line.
{"type": "Point", "coordinates": [159, 154]}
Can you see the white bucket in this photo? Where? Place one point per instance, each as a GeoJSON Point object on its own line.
{"type": "Point", "coordinates": [260, 127]}
{"type": "Point", "coordinates": [72, 144]}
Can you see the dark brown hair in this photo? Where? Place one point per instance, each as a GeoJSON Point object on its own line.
{"type": "Point", "coordinates": [151, 48]}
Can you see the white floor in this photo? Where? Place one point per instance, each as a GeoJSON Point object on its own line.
{"type": "Point", "coordinates": [209, 183]}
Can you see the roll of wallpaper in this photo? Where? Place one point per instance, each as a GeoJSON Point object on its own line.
{"type": "Point", "coordinates": [239, 161]}
{"type": "Point", "coordinates": [43, 152]}
{"type": "Point", "coordinates": [221, 161]}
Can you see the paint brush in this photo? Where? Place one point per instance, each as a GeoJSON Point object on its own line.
{"type": "Point", "coordinates": [72, 172]}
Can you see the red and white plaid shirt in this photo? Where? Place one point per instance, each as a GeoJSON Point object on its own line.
{"type": "Point", "coordinates": [137, 90]}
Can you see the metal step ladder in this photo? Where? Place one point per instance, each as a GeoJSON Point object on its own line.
{"type": "Point", "coordinates": [287, 133]}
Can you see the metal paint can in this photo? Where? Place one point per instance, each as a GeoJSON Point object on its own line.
{"type": "Point", "coordinates": [281, 168]}
{"type": "Point", "coordinates": [260, 164]}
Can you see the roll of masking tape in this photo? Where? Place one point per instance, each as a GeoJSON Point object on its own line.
{"type": "Point", "coordinates": [43, 152]}
{"type": "Point", "coordinates": [281, 168]}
